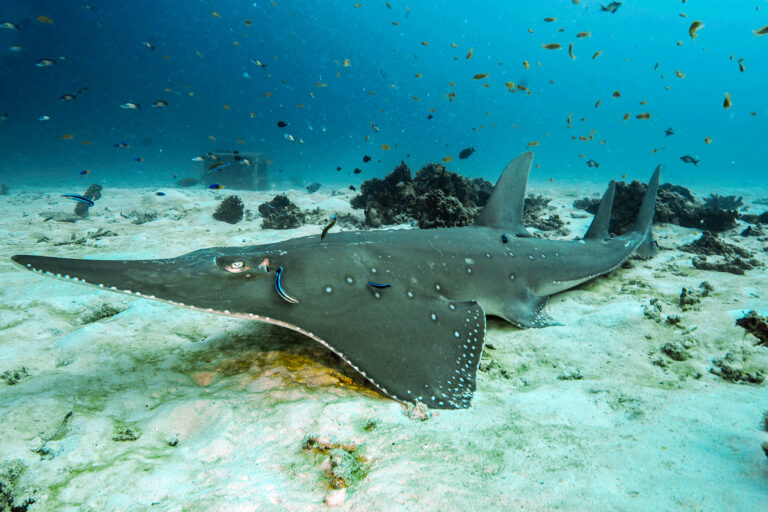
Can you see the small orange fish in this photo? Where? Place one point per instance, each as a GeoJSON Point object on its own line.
{"type": "Point", "coordinates": [469, 54]}
{"type": "Point", "coordinates": [385, 146]}
{"type": "Point", "coordinates": [252, 114]}
{"type": "Point", "coordinates": [299, 105]}
{"type": "Point", "coordinates": [212, 137]}
{"type": "Point", "coordinates": [596, 55]}
{"type": "Point", "coordinates": [248, 23]}
{"type": "Point", "coordinates": [447, 158]}
{"type": "Point", "coordinates": [267, 94]}
{"type": "Point", "coordinates": [240, 141]}
{"type": "Point", "coordinates": [347, 63]}
{"type": "Point", "coordinates": [530, 30]}
{"type": "Point", "coordinates": [357, 5]}
{"type": "Point", "coordinates": [526, 65]}
{"type": "Point", "coordinates": [643, 102]}
{"type": "Point", "coordinates": [417, 75]}
{"type": "Point", "coordinates": [707, 140]}
{"type": "Point", "coordinates": [44, 19]}
{"type": "Point", "coordinates": [727, 101]}
{"type": "Point", "coordinates": [67, 136]}
{"type": "Point", "coordinates": [227, 107]}
{"type": "Point", "coordinates": [680, 74]}
{"type": "Point", "coordinates": [582, 35]}
{"type": "Point", "coordinates": [534, 143]}
{"type": "Point", "coordinates": [425, 43]}
{"type": "Point", "coordinates": [551, 46]}
{"type": "Point", "coordinates": [741, 65]}
{"type": "Point", "coordinates": [451, 95]}
{"type": "Point", "coordinates": [214, 166]}
{"type": "Point", "coordinates": [215, 14]}
{"type": "Point", "coordinates": [679, 43]}
{"type": "Point", "coordinates": [480, 76]}
{"type": "Point", "coordinates": [623, 176]}
{"type": "Point", "coordinates": [550, 20]}
{"type": "Point", "coordinates": [85, 142]}
{"type": "Point", "coordinates": [626, 116]}
{"type": "Point", "coordinates": [597, 104]}
{"type": "Point", "coordinates": [454, 45]}
{"type": "Point", "coordinates": [395, 23]}
{"type": "Point", "coordinates": [616, 94]}
{"type": "Point", "coordinates": [644, 115]}
{"type": "Point", "coordinates": [570, 51]}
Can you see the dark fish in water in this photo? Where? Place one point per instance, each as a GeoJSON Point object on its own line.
{"type": "Point", "coordinates": [328, 226]}
{"type": "Point", "coordinates": [259, 63]}
{"type": "Point", "coordinates": [592, 163]}
{"type": "Point", "coordinates": [357, 171]}
{"type": "Point", "coordinates": [313, 187]}
{"type": "Point", "coordinates": [338, 167]}
{"type": "Point", "coordinates": [9, 25]}
{"type": "Point", "coordinates": [215, 186]}
{"type": "Point", "coordinates": [161, 194]}
{"type": "Point", "coordinates": [187, 182]}
{"type": "Point", "coordinates": [160, 104]}
{"type": "Point", "coordinates": [611, 7]}
{"type": "Point", "coordinates": [352, 188]}
{"type": "Point", "coordinates": [129, 105]}
{"type": "Point", "coordinates": [282, 124]}
{"type": "Point", "coordinates": [44, 63]}
{"type": "Point", "coordinates": [668, 132]}
{"type": "Point", "coordinates": [689, 160]}
{"type": "Point", "coordinates": [465, 153]}
{"type": "Point", "coordinates": [366, 158]}
{"type": "Point", "coordinates": [78, 197]}
{"type": "Point", "coordinates": [148, 45]}
{"type": "Point", "coordinates": [3, 116]}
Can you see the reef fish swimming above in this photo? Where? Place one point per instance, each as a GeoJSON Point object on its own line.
{"type": "Point", "coordinates": [405, 308]}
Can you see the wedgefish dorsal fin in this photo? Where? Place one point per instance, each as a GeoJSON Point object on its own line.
{"type": "Point", "coordinates": [504, 209]}
{"type": "Point", "coordinates": [599, 227]}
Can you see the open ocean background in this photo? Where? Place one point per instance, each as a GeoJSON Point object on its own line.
{"type": "Point", "coordinates": [202, 66]}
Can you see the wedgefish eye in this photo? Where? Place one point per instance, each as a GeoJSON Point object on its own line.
{"type": "Point", "coordinates": [236, 267]}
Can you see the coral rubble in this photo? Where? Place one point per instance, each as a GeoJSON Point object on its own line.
{"type": "Point", "coordinates": [281, 213]}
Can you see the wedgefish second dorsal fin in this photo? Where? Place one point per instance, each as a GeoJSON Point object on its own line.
{"type": "Point", "coordinates": [504, 209]}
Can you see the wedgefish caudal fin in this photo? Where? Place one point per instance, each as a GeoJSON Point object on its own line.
{"type": "Point", "coordinates": [647, 208]}
{"type": "Point", "coordinates": [598, 230]}
{"type": "Point", "coordinates": [504, 209]}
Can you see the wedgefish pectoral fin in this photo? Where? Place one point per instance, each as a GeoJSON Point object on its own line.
{"type": "Point", "coordinates": [411, 348]}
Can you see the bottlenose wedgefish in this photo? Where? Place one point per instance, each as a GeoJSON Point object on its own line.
{"type": "Point", "coordinates": [405, 308]}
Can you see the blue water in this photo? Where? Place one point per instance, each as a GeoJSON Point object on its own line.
{"type": "Point", "coordinates": [202, 63]}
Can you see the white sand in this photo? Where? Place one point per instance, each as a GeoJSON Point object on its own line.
{"type": "Point", "coordinates": [237, 398]}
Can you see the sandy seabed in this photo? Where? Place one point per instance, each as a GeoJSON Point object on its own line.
{"type": "Point", "coordinates": [173, 409]}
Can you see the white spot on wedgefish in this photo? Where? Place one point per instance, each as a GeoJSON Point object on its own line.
{"type": "Point", "coordinates": [350, 280]}
{"type": "Point", "coordinates": [488, 255]}
{"type": "Point", "coordinates": [328, 289]}
{"type": "Point", "coordinates": [437, 287]}
{"type": "Point", "coordinates": [410, 294]}
{"type": "Point", "coordinates": [511, 254]}
{"type": "Point", "coordinates": [530, 256]}
{"type": "Point", "coordinates": [469, 261]}
{"type": "Point", "coordinates": [434, 317]}
{"type": "Point", "coordinates": [377, 295]}
{"type": "Point", "coordinates": [457, 334]}
{"type": "Point", "coordinates": [511, 276]}
{"type": "Point", "coordinates": [452, 306]}
{"type": "Point", "coordinates": [469, 270]}
{"type": "Point", "coordinates": [373, 271]}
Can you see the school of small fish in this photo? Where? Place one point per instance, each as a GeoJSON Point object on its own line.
{"type": "Point", "coordinates": [548, 34]}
